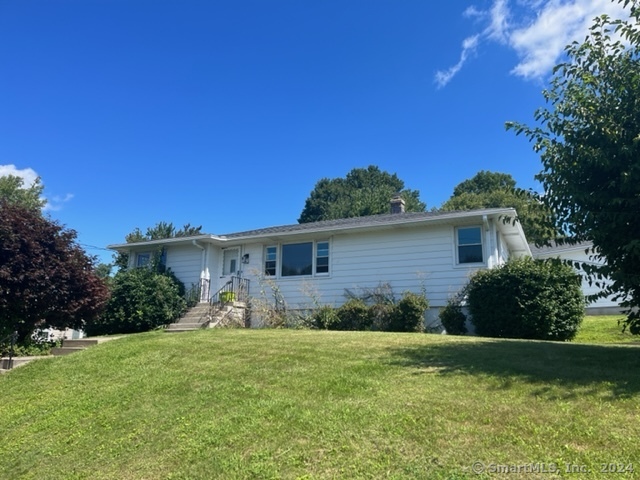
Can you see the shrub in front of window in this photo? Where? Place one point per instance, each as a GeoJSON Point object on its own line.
{"type": "Point", "coordinates": [530, 299]}
{"type": "Point", "coordinates": [408, 314]}
{"type": "Point", "coordinates": [141, 300]}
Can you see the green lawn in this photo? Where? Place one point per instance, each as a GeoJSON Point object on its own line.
{"type": "Point", "coordinates": [315, 404]}
{"type": "Point", "coordinates": [604, 329]}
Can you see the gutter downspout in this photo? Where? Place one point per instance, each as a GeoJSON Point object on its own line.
{"type": "Point", "coordinates": [487, 236]}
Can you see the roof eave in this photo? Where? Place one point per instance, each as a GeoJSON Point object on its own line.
{"type": "Point", "coordinates": [165, 241]}
{"type": "Point", "coordinates": [371, 225]}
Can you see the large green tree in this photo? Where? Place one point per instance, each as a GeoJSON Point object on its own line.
{"type": "Point", "coordinates": [14, 191]}
{"type": "Point", "coordinates": [588, 137]}
{"type": "Point", "coordinates": [364, 191]}
{"type": "Point", "coordinates": [498, 190]}
{"type": "Point", "coordinates": [485, 181]}
{"type": "Point", "coordinates": [46, 279]}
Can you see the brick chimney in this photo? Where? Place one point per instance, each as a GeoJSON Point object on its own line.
{"type": "Point", "coordinates": [397, 204]}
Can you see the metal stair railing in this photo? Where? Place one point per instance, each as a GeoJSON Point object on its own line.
{"type": "Point", "coordinates": [13, 337]}
{"type": "Point", "coordinates": [236, 289]}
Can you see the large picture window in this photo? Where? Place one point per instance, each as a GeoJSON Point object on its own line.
{"type": "Point", "coordinates": [296, 259]}
{"type": "Point", "coordinates": [469, 241]}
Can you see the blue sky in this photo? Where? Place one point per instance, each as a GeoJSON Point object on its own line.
{"type": "Point", "coordinates": [226, 113]}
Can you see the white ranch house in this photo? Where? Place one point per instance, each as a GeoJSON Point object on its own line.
{"type": "Point", "coordinates": [436, 251]}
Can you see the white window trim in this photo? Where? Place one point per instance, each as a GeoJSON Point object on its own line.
{"type": "Point", "coordinates": [264, 263]}
{"type": "Point", "coordinates": [314, 258]}
{"type": "Point", "coordinates": [456, 249]}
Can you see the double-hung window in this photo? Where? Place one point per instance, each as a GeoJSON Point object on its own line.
{"type": "Point", "coordinates": [297, 259]}
{"type": "Point", "coordinates": [469, 244]}
{"type": "Point", "coordinates": [143, 259]}
{"type": "Point", "coordinates": [271, 257]}
{"type": "Point", "coordinates": [322, 258]}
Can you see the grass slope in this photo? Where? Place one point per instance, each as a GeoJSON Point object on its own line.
{"type": "Point", "coordinates": [313, 404]}
{"type": "Point", "coordinates": [604, 329]}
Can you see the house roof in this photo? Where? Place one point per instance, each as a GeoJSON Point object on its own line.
{"type": "Point", "coordinates": [512, 231]}
{"type": "Point", "coordinates": [556, 248]}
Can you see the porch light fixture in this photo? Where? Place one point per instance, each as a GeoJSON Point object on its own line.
{"type": "Point", "coordinates": [245, 258]}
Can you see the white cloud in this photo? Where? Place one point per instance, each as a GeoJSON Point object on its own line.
{"type": "Point", "coordinates": [468, 47]}
{"type": "Point", "coordinates": [538, 33]}
{"type": "Point", "coordinates": [473, 12]}
{"type": "Point", "coordinates": [29, 177]}
{"type": "Point", "coordinates": [56, 202]}
{"type": "Point", "coordinates": [540, 44]}
{"type": "Point", "coordinates": [499, 24]}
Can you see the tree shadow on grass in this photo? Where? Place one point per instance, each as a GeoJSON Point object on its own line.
{"type": "Point", "coordinates": [577, 368]}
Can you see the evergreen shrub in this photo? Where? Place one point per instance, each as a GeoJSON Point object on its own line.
{"type": "Point", "coordinates": [529, 299]}
{"type": "Point", "coordinates": [141, 299]}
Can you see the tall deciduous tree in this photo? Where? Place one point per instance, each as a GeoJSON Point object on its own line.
{"type": "Point", "coordinates": [364, 191]}
{"type": "Point", "coordinates": [588, 138]}
{"type": "Point", "coordinates": [485, 181]}
{"type": "Point", "coordinates": [13, 190]}
{"type": "Point", "coordinates": [497, 190]}
{"type": "Point", "coordinates": [46, 279]}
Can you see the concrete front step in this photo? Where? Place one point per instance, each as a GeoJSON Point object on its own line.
{"type": "Point", "coordinates": [182, 326]}
{"type": "Point", "coordinates": [195, 314]}
{"type": "Point", "coordinates": [192, 318]}
{"type": "Point", "coordinates": [17, 361]}
{"type": "Point", "coordinates": [80, 342]}
{"type": "Point", "coordinates": [75, 345]}
{"type": "Point", "coordinates": [66, 350]}
{"type": "Point", "coordinates": [180, 330]}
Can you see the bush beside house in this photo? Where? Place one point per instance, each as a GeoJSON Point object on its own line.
{"type": "Point", "coordinates": [141, 299]}
{"type": "Point", "coordinates": [407, 315]}
{"type": "Point", "coordinates": [529, 299]}
{"type": "Point", "coordinates": [452, 317]}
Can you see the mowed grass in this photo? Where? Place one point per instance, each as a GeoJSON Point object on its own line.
{"type": "Point", "coordinates": [605, 329]}
{"type": "Point", "coordinates": [314, 404]}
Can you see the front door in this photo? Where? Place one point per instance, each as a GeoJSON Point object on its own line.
{"type": "Point", "coordinates": [230, 263]}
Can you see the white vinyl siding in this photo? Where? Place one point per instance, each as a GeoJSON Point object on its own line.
{"type": "Point", "coordinates": [186, 263]}
{"type": "Point", "coordinates": [409, 259]}
{"type": "Point", "coordinates": [578, 254]}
